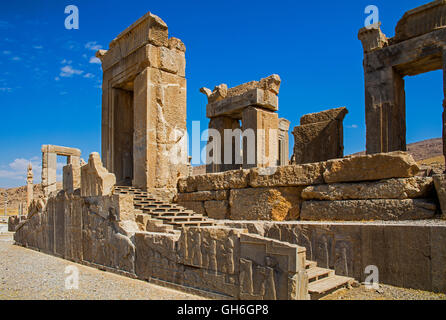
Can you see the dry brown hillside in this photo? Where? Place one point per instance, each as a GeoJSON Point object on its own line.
{"type": "Point", "coordinates": [423, 150]}
{"type": "Point", "coordinates": [18, 195]}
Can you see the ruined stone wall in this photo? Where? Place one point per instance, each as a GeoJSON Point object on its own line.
{"type": "Point", "coordinates": [373, 187]}
{"type": "Point", "coordinates": [408, 255]}
{"type": "Point", "coordinates": [101, 231]}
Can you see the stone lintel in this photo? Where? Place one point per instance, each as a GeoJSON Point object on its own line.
{"type": "Point", "coordinates": [61, 151]}
{"type": "Point", "coordinates": [234, 105]}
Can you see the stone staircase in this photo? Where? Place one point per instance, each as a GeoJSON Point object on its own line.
{"type": "Point", "coordinates": [162, 216]}
{"type": "Point", "coordinates": [322, 281]}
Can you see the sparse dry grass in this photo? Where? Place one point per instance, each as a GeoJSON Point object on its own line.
{"type": "Point", "coordinates": [434, 160]}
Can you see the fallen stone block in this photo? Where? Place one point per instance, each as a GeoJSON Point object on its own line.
{"type": "Point", "coordinates": [378, 166]}
{"type": "Point", "coordinates": [405, 188]}
{"type": "Point", "coordinates": [293, 175]}
{"type": "Point", "coordinates": [277, 204]}
{"type": "Point", "coordinates": [359, 210]}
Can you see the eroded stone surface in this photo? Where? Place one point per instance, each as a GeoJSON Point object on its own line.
{"type": "Point", "coordinates": [235, 179]}
{"type": "Point", "coordinates": [320, 136]}
{"type": "Point", "coordinates": [440, 188]}
{"type": "Point", "coordinates": [95, 179]}
{"type": "Point", "coordinates": [292, 175]}
{"type": "Point", "coordinates": [380, 166]}
{"type": "Point", "coordinates": [276, 204]}
{"type": "Point", "coordinates": [217, 209]}
{"type": "Point", "coordinates": [203, 195]}
{"type": "Point", "coordinates": [359, 210]}
{"type": "Point", "coordinates": [416, 187]}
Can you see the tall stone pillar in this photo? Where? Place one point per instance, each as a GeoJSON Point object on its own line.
{"type": "Point", "coordinates": [385, 111]}
{"type": "Point", "coordinates": [29, 187]}
{"type": "Point", "coordinates": [159, 140]}
{"type": "Point", "coordinates": [49, 174]}
{"type": "Point", "coordinates": [284, 126]}
{"type": "Point", "coordinates": [264, 124]}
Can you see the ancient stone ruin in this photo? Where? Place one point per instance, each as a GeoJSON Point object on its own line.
{"type": "Point", "coordinates": [320, 136]}
{"type": "Point", "coordinates": [417, 47]}
{"type": "Point", "coordinates": [247, 230]}
{"type": "Point", "coordinates": [243, 112]}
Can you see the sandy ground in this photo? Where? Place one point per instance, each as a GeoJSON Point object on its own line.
{"type": "Point", "coordinates": [28, 274]}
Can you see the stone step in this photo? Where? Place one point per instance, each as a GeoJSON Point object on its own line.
{"type": "Point", "coordinates": [192, 223]}
{"type": "Point", "coordinates": [317, 273]}
{"type": "Point", "coordinates": [310, 264]}
{"type": "Point", "coordinates": [320, 288]}
{"type": "Point", "coordinates": [163, 213]}
{"type": "Point", "coordinates": [182, 218]}
{"type": "Point", "coordinates": [176, 214]}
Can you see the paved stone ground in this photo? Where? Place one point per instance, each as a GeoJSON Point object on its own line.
{"type": "Point", "coordinates": [28, 274]}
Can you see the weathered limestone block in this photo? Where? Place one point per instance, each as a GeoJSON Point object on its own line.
{"type": "Point", "coordinates": [319, 136]}
{"type": "Point", "coordinates": [103, 244]}
{"type": "Point", "coordinates": [380, 166]}
{"type": "Point", "coordinates": [149, 29]}
{"type": "Point", "coordinates": [440, 188]}
{"type": "Point", "coordinates": [235, 179]}
{"type": "Point", "coordinates": [36, 230]}
{"type": "Point", "coordinates": [405, 188]}
{"type": "Point", "coordinates": [217, 209]}
{"type": "Point", "coordinates": [156, 257]}
{"type": "Point", "coordinates": [271, 270]}
{"type": "Point", "coordinates": [159, 139]}
{"type": "Point", "coordinates": [284, 126]}
{"type": "Point", "coordinates": [196, 206]}
{"type": "Point", "coordinates": [359, 210]}
{"type": "Point", "coordinates": [216, 252]}
{"type": "Point", "coordinates": [292, 175]}
{"type": "Point", "coordinates": [262, 151]}
{"type": "Point", "coordinates": [278, 204]}
{"type": "Point", "coordinates": [117, 207]}
{"type": "Point", "coordinates": [95, 179]}
{"type": "Point", "coordinates": [431, 14]}
{"type": "Point", "coordinates": [49, 172]}
{"type": "Point", "coordinates": [203, 196]}
{"type": "Point", "coordinates": [71, 177]}
{"type": "Point", "coordinates": [261, 93]}
{"type": "Point", "coordinates": [372, 38]}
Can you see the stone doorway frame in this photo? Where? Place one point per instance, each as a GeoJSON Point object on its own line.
{"type": "Point", "coordinates": [416, 48]}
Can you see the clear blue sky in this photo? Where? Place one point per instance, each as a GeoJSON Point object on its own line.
{"type": "Point", "coordinates": [50, 85]}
